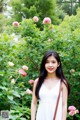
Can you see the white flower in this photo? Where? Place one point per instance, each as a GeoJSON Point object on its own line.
{"type": "Point", "coordinates": [72, 71]}
{"type": "Point", "coordinates": [10, 63]}
{"type": "Point", "coordinates": [13, 81]}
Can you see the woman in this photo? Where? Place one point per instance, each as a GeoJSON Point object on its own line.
{"type": "Point", "coordinates": [46, 90]}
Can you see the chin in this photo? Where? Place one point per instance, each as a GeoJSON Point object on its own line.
{"type": "Point", "coordinates": [50, 72]}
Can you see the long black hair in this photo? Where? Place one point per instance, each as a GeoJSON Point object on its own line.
{"type": "Point", "coordinates": [43, 72]}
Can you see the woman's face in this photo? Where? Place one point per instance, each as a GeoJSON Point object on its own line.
{"type": "Point", "coordinates": [51, 64]}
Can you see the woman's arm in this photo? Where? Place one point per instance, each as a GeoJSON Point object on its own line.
{"type": "Point", "coordinates": [64, 101]}
{"type": "Point", "coordinates": [34, 102]}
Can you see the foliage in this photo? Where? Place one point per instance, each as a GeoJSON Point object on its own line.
{"type": "Point", "coordinates": [69, 6]}
{"type": "Point", "coordinates": [28, 9]}
{"type": "Point", "coordinates": [25, 44]}
{"type": "Point", "coordinates": [69, 32]}
{"type": "Point", "coordinates": [60, 12]}
{"type": "Point", "coordinates": [1, 22]}
{"type": "Point", "coordinates": [1, 5]}
{"type": "Point", "coordinates": [75, 117]}
{"type": "Point", "coordinates": [13, 95]}
{"type": "Point", "coordinates": [20, 113]}
{"type": "Point", "coordinates": [64, 39]}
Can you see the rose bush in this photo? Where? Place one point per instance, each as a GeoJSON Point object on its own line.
{"type": "Point", "coordinates": [13, 84]}
{"type": "Point", "coordinates": [28, 50]}
{"type": "Point", "coordinates": [72, 112]}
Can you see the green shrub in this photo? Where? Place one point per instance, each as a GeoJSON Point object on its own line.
{"type": "Point", "coordinates": [26, 47]}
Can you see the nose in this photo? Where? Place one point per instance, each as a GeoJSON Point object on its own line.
{"type": "Point", "coordinates": [50, 64]}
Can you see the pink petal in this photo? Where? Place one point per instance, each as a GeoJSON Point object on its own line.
{"type": "Point", "coordinates": [15, 24]}
{"type": "Point", "coordinates": [22, 72]}
{"type": "Point", "coordinates": [71, 113]}
{"type": "Point", "coordinates": [31, 81]}
{"type": "Point", "coordinates": [36, 19]}
{"type": "Point", "coordinates": [25, 67]}
{"type": "Point", "coordinates": [72, 108]}
{"type": "Point", "coordinates": [46, 20]}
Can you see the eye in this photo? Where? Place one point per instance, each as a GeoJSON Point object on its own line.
{"type": "Point", "coordinates": [53, 61]}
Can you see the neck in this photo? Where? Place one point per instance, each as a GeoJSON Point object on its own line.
{"type": "Point", "coordinates": [52, 76]}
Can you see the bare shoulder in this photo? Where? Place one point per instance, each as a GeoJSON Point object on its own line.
{"type": "Point", "coordinates": [64, 89]}
{"type": "Point", "coordinates": [35, 82]}
{"type": "Point", "coordinates": [64, 85]}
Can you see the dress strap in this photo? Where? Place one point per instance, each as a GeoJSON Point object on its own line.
{"type": "Point", "coordinates": [60, 89]}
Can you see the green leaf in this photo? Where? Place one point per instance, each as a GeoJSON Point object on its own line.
{"type": "Point", "coordinates": [15, 93]}
{"type": "Point", "coordinates": [10, 97]}
{"type": "Point", "coordinates": [1, 73]}
{"type": "Point", "coordinates": [22, 118]}
{"type": "Point", "coordinates": [3, 88]}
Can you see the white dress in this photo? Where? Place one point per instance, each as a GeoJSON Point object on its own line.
{"type": "Point", "coordinates": [47, 103]}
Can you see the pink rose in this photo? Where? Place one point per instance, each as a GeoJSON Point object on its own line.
{"type": "Point", "coordinates": [46, 20]}
{"type": "Point", "coordinates": [72, 108]}
{"type": "Point", "coordinates": [28, 91]}
{"type": "Point", "coordinates": [15, 24]}
{"type": "Point", "coordinates": [31, 81]}
{"type": "Point", "coordinates": [22, 72]}
{"type": "Point", "coordinates": [71, 113]}
{"type": "Point", "coordinates": [25, 67]}
{"type": "Point", "coordinates": [36, 19]}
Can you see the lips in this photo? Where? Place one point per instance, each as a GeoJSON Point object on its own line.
{"type": "Point", "coordinates": [50, 69]}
